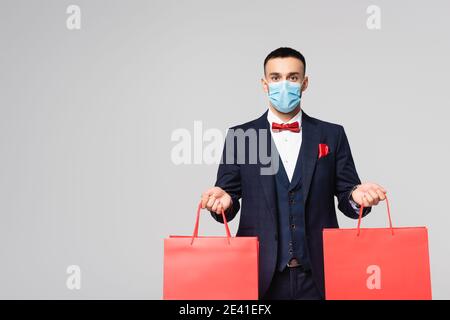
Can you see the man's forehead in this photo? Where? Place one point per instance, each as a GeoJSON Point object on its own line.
{"type": "Point", "coordinates": [284, 65]}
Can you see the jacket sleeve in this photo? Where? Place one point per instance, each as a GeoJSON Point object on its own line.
{"type": "Point", "coordinates": [346, 177]}
{"type": "Point", "coordinates": [229, 177]}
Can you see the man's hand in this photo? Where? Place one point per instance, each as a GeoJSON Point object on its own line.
{"type": "Point", "coordinates": [216, 199]}
{"type": "Point", "coordinates": [368, 194]}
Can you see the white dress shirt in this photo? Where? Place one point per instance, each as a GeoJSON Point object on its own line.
{"type": "Point", "coordinates": [288, 143]}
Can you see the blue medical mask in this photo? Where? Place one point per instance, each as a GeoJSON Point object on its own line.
{"type": "Point", "coordinates": [285, 95]}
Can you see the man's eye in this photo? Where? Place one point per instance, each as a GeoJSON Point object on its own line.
{"type": "Point", "coordinates": [274, 78]}
{"type": "Point", "coordinates": [294, 78]}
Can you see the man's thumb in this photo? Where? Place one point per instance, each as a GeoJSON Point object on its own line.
{"type": "Point", "coordinates": [216, 192]}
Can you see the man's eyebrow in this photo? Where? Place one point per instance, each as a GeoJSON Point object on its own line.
{"type": "Point", "coordinates": [289, 74]}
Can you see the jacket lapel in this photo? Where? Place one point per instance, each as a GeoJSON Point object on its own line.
{"type": "Point", "coordinates": [267, 180]}
{"type": "Point", "coordinates": [308, 152]}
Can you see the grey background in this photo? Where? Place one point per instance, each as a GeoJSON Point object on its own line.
{"type": "Point", "coordinates": [86, 118]}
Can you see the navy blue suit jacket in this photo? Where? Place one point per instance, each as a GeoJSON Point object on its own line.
{"type": "Point", "coordinates": [322, 179]}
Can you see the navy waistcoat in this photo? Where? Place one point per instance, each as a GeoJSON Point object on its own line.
{"type": "Point", "coordinates": [291, 218]}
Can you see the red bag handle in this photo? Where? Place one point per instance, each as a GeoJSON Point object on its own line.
{"type": "Point", "coordinates": [197, 222]}
{"type": "Point", "coordinates": [389, 216]}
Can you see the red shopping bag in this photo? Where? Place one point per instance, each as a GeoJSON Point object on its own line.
{"type": "Point", "coordinates": [378, 263]}
{"type": "Point", "coordinates": [210, 268]}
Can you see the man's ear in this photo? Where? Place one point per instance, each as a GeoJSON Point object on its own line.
{"type": "Point", "coordinates": [305, 83]}
{"type": "Point", "coordinates": [265, 86]}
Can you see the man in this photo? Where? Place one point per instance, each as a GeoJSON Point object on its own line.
{"type": "Point", "coordinates": [288, 209]}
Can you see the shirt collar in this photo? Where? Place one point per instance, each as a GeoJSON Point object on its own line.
{"type": "Point", "coordinates": [271, 117]}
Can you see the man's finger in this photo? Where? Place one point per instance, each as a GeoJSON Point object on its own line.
{"type": "Point", "coordinates": [226, 203]}
{"type": "Point", "coordinates": [214, 206]}
{"type": "Point", "coordinates": [210, 202]}
{"type": "Point", "coordinates": [377, 186]}
{"type": "Point", "coordinates": [359, 199]}
{"type": "Point", "coordinates": [375, 197]}
{"type": "Point", "coordinates": [219, 207]}
{"type": "Point", "coordinates": [365, 203]}
{"type": "Point", "coordinates": [381, 194]}
{"type": "Point", "coordinates": [368, 197]}
{"type": "Point", "coordinates": [205, 198]}
{"type": "Point", "coordinates": [216, 192]}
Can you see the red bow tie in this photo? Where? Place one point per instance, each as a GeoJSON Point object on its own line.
{"type": "Point", "coordinates": [294, 126]}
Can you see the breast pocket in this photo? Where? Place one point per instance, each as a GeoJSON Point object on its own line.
{"type": "Point", "coordinates": [325, 168]}
{"type": "Point", "coordinates": [328, 159]}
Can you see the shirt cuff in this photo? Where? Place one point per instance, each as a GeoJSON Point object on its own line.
{"type": "Point", "coordinates": [354, 205]}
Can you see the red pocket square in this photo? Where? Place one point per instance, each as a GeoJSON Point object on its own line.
{"type": "Point", "coordinates": [323, 150]}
